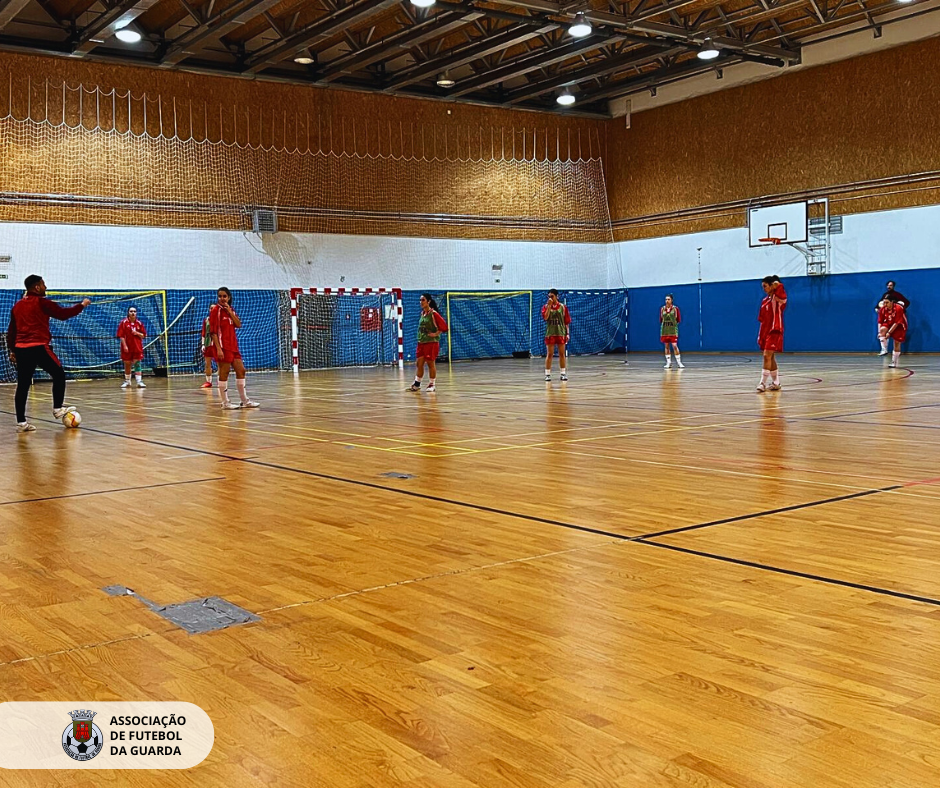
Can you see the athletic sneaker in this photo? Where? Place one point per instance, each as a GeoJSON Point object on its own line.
{"type": "Point", "coordinates": [774, 387]}
{"type": "Point", "coordinates": [249, 403]}
{"type": "Point", "coordinates": [414, 387]}
{"type": "Point", "coordinates": [761, 388]}
{"type": "Point", "coordinates": [883, 353]}
{"type": "Point", "coordinates": [58, 413]}
{"type": "Point", "coordinates": [431, 389]}
{"type": "Point", "coordinates": [126, 384]}
{"type": "Point", "coordinates": [206, 385]}
{"type": "Point", "coordinates": [668, 365]}
{"type": "Point", "coordinates": [680, 365]}
{"type": "Point", "coordinates": [141, 384]}
{"type": "Point", "coordinates": [548, 378]}
{"type": "Point", "coordinates": [892, 365]}
{"type": "Point", "coordinates": [24, 426]}
{"type": "Point", "coordinates": [230, 406]}
{"type": "Point", "coordinates": [564, 377]}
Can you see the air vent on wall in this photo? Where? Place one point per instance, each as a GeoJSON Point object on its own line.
{"type": "Point", "coordinates": [263, 221]}
{"type": "Point", "coordinates": [6, 266]}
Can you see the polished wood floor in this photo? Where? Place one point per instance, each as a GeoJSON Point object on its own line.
{"type": "Point", "coordinates": [638, 578]}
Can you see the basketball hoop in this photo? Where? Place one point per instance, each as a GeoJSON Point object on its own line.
{"type": "Point", "coordinates": [773, 241]}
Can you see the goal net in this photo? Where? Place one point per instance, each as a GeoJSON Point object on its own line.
{"type": "Point", "coordinates": [87, 344]}
{"type": "Point", "coordinates": [488, 325]}
{"type": "Point", "coordinates": [345, 327]}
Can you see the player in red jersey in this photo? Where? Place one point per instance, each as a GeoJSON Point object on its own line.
{"type": "Point", "coordinates": [669, 319]}
{"type": "Point", "coordinates": [431, 325]}
{"type": "Point", "coordinates": [892, 320]}
{"type": "Point", "coordinates": [770, 338]}
{"type": "Point", "coordinates": [557, 330]}
{"type": "Point", "coordinates": [131, 332]}
{"type": "Point", "coordinates": [29, 340]}
{"type": "Point", "coordinates": [224, 349]}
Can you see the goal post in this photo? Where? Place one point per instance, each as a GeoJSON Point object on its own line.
{"type": "Point", "coordinates": [488, 324]}
{"type": "Point", "coordinates": [346, 326]}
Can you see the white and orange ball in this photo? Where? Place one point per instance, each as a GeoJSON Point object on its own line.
{"type": "Point", "coordinates": [72, 419]}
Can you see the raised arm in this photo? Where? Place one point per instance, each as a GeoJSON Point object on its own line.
{"type": "Point", "coordinates": [52, 309]}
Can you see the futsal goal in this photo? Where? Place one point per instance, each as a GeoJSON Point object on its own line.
{"type": "Point", "coordinates": [345, 327]}
{"type": "Point", "coordinates": [87, 344]}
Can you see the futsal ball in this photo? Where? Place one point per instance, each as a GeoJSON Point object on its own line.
{"type": "Point", "coordinates": [72, 419]}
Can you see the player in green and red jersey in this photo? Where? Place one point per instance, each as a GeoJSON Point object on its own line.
{"type": "Point", "coordinates": [430, 327]}
{"type": "Point", "coordinates": [557, 322]}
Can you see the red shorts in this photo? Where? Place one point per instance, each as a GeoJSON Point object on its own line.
{"type": "Point", "coordinates": [428, 350]}
{"type": "Point", "coordinates": [228, 356]}
{"type": "Point", "coordinates": [898, 336]}
{"type": "Point", "coordinates": [771, 341]}
{"type": "Point", "coordinates": [131, 356]}
{"type": "Point", "coordinates": [556, 340]}
{"type": "Point", "coordinates": [669, 340]}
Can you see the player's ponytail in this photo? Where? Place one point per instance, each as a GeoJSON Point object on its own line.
{"type": "Point", "coordinates": [431, 302]}
{"type": "Point", "coordinates": [769, 280]}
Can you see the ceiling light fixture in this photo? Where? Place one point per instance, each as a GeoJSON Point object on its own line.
{"type": "Point", "coordinates": [423, 3]}
{"type": "Point", "coordinates": [581, 26]}
{"type": "Point", "coordinates": [566, 98]}
{"type": "Point", "coordinates": [303, 60]}
{"type": "Point", "coordinates": [444, 80]}
{"type": "Point", "coordinates": [128, 35]}
{"type": "Point", "coordinates": [708, 51]}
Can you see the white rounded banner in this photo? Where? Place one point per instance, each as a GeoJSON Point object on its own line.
{"type": "Point", "coordinates": [92, 735]}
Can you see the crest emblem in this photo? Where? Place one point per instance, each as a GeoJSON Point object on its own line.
{"type": "Point", "coordinates": [82, 740]}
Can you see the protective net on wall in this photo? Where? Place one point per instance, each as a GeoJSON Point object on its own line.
{"type": "Point", "coordinates": [80, 155]}
{"type": "Point", "coordinates": [488, 325]}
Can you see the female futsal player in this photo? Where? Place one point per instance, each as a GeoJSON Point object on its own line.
{"type": "Point", "coordinates": [430, 327]}
{"type": "Point", "coordinates": [131, 332]}
{"type": "Point", "coordinates": [222, 324]}
{"type": "Point", "coordinates": [770, 337]}
{"type": "Point", "coordinates": [892, 324]}
{"type": "Point", "coordinates": [669, 319]}
{"type": "Point", "coordinates": [557, 325]}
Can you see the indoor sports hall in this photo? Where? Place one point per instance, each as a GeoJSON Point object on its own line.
{"type": "Point", "coordinates": [486, 394]}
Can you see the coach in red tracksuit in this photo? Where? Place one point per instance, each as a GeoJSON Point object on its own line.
{"type": "Point", "coordinates": [28, 339]}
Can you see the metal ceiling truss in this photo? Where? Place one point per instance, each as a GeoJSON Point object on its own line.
{"type": "Point", "coordinates": [514, 53]}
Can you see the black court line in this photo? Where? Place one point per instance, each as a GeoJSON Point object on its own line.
{"type": "Point", "coordinates": [793, 508]}
{"type": "Point", "coordinates": [116, 490]}
{"type": "Point", "coordinates": [491, 509]}
{"type": "Point", "coordinates": [794, 573]}
{"type": "Point", "coordinates": [870, 412]}
{"type": "Point", "coordinates": [872, 424]}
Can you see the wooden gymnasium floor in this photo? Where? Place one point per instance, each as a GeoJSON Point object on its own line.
{"type": "Point", "coordinates": [640, 578]}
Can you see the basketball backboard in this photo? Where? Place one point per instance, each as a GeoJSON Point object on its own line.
{"type": "Point", "coordinates": [787, 222]}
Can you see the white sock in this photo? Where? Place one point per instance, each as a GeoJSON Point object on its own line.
{"type": "Point", "coordinates": [764, 376]}
{"type": "Point", "coordinates": [775, 375]}
{"type": "Point", "coordinates": [667, 358]}
{"type": "Point", "coordinates": [223, 390]}
{"type": "Point", "coordinates": [127, 378]}
{"type": "Point", "coordinates": [895, 356]}
{"type": "Point", "coordinates": [678, 357]}
{"type": "Point", "coordinates": [139, 377]}
{"type": "Point", "coordinates": [884, 345]}
{"type": "Point", "coordinates": [564, 371]}
{"type": "Point", "coordinates": [242, 385]}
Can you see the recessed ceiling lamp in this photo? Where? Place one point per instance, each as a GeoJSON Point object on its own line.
{"type": "Point", "coordinates": [304, 60]}
{"type": "Point", "coordinates": [444, 81]}
{"type": "Point", "coordinates": [566, 98]}
{"type": "Point", "coordinates": [581, 26]}
{"type": "Point", "coordinates": [128, 35]}
{"type": "Point", "coordinates": [708, 51]}
{"type": "Point", "coordinates": [423, 3]}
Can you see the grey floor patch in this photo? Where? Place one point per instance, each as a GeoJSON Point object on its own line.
{"type": "Point", "coordinates": [397, 475]}
{"type": "Point", "coordinates": [206, 615]}
{"type": "Point", "coordinates": [196, 616]}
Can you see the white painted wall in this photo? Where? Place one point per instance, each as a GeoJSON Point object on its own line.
{"type": "Point", "coordinates": [76, 257]}
{"type": "Point", "coordinates": [880, 241]}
